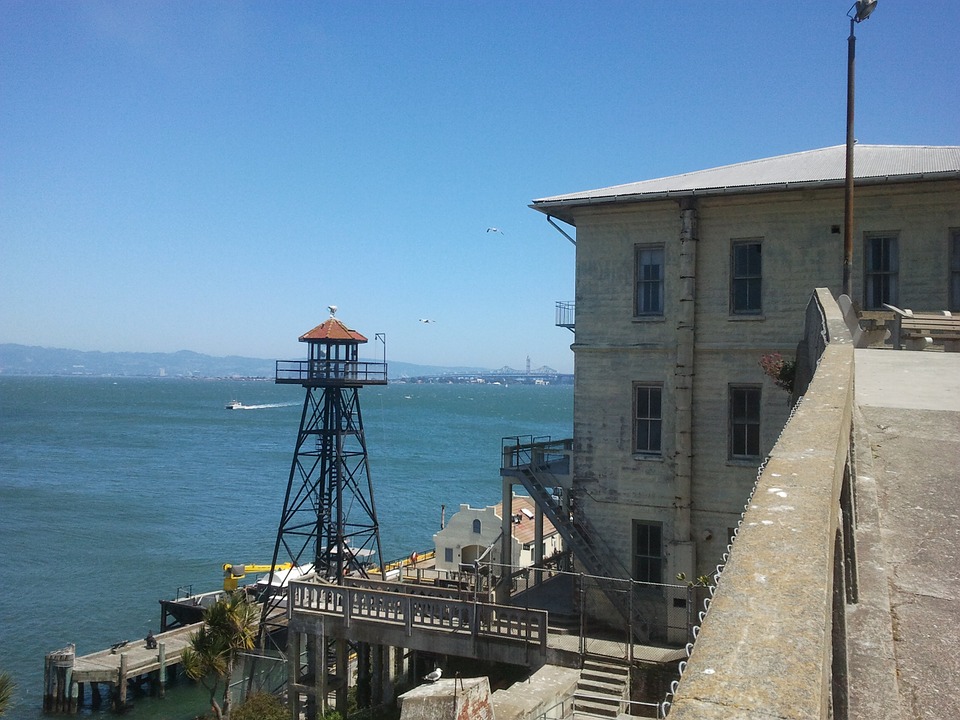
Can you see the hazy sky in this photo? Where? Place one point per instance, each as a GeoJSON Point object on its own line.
{"type": "Point", "coordinates": [211, 175]}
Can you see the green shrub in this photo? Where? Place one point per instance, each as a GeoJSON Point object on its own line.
{"type": "Point", "coordinates": [262, 706]}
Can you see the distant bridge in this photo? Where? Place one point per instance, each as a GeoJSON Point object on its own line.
{"type": "Point", "coordinates": [504, 376]}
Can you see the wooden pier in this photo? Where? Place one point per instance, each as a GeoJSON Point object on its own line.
{"type": "Point", "coordinates": [65, 674]}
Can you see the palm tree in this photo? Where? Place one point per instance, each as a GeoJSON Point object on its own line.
{"type": "Point", "coordinates": [6, 692]}
{"type": "Point", "coordinates": [229, 627]}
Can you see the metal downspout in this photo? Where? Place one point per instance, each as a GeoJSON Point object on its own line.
{"type": "Point", "coordinates": [683, 384]}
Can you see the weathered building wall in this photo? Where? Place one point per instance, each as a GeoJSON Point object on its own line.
{"type": "Point", "coordinates": [801, 248]}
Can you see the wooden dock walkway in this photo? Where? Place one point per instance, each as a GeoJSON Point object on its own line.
{"type": "Point", "coordinates": [65, 674]}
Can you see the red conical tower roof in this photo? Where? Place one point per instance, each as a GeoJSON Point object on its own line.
{"type": "Point", "coordinates": [332, 329]}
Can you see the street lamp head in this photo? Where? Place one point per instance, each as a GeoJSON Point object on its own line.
{"type": "Point", "coordinates": [861, 10]}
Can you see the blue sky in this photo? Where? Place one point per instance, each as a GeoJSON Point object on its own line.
{"type": "Point", "coordinates": [211, 175]}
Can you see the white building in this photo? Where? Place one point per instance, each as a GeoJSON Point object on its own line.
{"type": "Point", "coordinates": [473, 534]}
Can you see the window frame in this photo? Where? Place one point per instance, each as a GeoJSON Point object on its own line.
{"type": "Point", "coordinates": [641, 284]}
{"type": "Point", "coordinates": [649, 419]}
{"type": "Point", "coordinates": [953, 283]}
{"type": "Point", "coordinates": [751, 426]}
{"type": "Point", "coordinates": [747, 278]}
{"type": "Point", "coordinates": [648, 567]}
{"type": "Point", "coordinates": [890, 292]}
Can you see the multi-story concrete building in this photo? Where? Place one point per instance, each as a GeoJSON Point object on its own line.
{"type": "Point", "coordinates": [683, 283]}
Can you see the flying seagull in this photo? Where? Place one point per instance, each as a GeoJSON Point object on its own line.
{"type": "Point", "coordinates": [495, 229]}
{"type": "Point", "coordinates": [426, 320]}
{"type": "Point", "coordinates": [433, 676]}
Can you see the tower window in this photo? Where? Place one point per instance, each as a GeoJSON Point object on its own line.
{"type": "Point", "coordinates": [649, 280]}
{"type": "Point", "coordinates": [746, 278]}
{"type": "Point", "coordinates": [647, 552]}
{"type": "Point", "coordinates": [744, 422]}
{"type": "Point", "coordinates": [881, 272]}
{"type": "Point", "coordinates": [647, 419]}
{"type": "Point", "coordinates": [954, 270]}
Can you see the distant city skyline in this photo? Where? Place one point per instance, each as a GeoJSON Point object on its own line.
{"type": "Point", "coordinates": [210, 177]}
{"type": "Point", "coordinates": [17, 359]}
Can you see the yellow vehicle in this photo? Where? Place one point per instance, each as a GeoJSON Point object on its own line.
{"type": "Point", "coordinates": [232, 574]}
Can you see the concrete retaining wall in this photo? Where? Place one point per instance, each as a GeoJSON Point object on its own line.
{"type": "Point", "coordinates": [765, 648]}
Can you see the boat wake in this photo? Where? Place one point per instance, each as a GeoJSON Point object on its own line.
{"type": "Point", "coordinates": [240, 406]}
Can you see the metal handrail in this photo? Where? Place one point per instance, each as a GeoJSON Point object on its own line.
{"type": "Point", "coordinates": [331, 372]}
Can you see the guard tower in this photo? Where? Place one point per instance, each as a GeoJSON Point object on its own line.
{"type": "Point", "coordinates": [329, 519]}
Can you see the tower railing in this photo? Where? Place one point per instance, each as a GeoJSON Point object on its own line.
{"type": "Point", "coordinates": [566, 313]}
{"type": "Point", "coordinates": [331, 372]}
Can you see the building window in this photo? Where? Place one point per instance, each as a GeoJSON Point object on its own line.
{"type": "Point", "coordinates": [476, 526]}
{"type": "Point", "coordinates": [448, 555]}
{"type": "Point", "coordinates": [649, 280]}
{"type": "Point", "coordinates": [647, 419]}
{"type": "Point", "coordinates": [745, 278]}
{"type": "Point", "coordinates": [744, 422]}
{"type": "Point", "coordinates": [648, 552]}
{"type": "Point", "coordinates": [882, 267]}
{"type": "Point", "coordinates": [954, 270]}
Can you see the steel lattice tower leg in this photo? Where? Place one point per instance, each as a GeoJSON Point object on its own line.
{"type": "Point", "coordinates": [329, 518]}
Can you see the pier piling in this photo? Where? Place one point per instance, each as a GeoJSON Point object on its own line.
{"type": "Point", "coordinates": [162, 672]}
{"type": "Point", "coordinates": [57, 672]}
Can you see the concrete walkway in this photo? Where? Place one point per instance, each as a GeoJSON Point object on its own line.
{"type": "Point", "coordinates": [904, 634]}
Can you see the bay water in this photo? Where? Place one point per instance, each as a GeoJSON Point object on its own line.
{"type": "Point", "coordinates": [117, 492]}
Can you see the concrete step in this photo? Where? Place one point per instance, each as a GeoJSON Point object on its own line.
{"type": "Point", "coordinates": [604, 673]}
{"type": "Point", "coordinates": [601, 687]}
{"type": "Point", "coordinates": [595, 707]}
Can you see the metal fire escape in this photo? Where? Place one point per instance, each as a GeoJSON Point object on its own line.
{"type": "Point", "coordinates": [536, 465]}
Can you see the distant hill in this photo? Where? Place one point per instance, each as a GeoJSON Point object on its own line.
{"type": "Point", "coordinates": [32, 360]}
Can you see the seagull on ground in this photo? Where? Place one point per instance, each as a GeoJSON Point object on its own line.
{"type": "Point", "coordinates": [433, 676]}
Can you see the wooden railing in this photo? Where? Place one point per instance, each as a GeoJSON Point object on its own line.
{"type": "Point", "coordinates": [418, 612]}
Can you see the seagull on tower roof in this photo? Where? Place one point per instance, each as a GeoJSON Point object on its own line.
{"type": "Point", "coordinates": [332, 309]}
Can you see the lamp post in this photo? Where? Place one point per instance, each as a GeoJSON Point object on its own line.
{"type": "Point", "coordinates": [858, 12]}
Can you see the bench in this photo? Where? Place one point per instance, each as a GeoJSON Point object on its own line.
{"type": "Point", "coordinates": [866, 327]}
{"type": "Point", "coordinates": [916, 331]}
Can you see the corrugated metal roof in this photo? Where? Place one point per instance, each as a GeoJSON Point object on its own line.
{"type": "Point", "coordinates": [332, 329]}
{"type": "Point", "coordinates": [823, 167]}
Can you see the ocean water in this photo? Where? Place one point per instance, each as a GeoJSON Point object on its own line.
{"type": "Point", "coordinates": [115, 492]}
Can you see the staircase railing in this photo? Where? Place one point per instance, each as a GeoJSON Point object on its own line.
{"type": "Point", "coordinates": [533, 464]}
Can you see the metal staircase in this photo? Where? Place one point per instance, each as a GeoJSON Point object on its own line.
{"type": "Point", "coordinates": [535, 467]}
